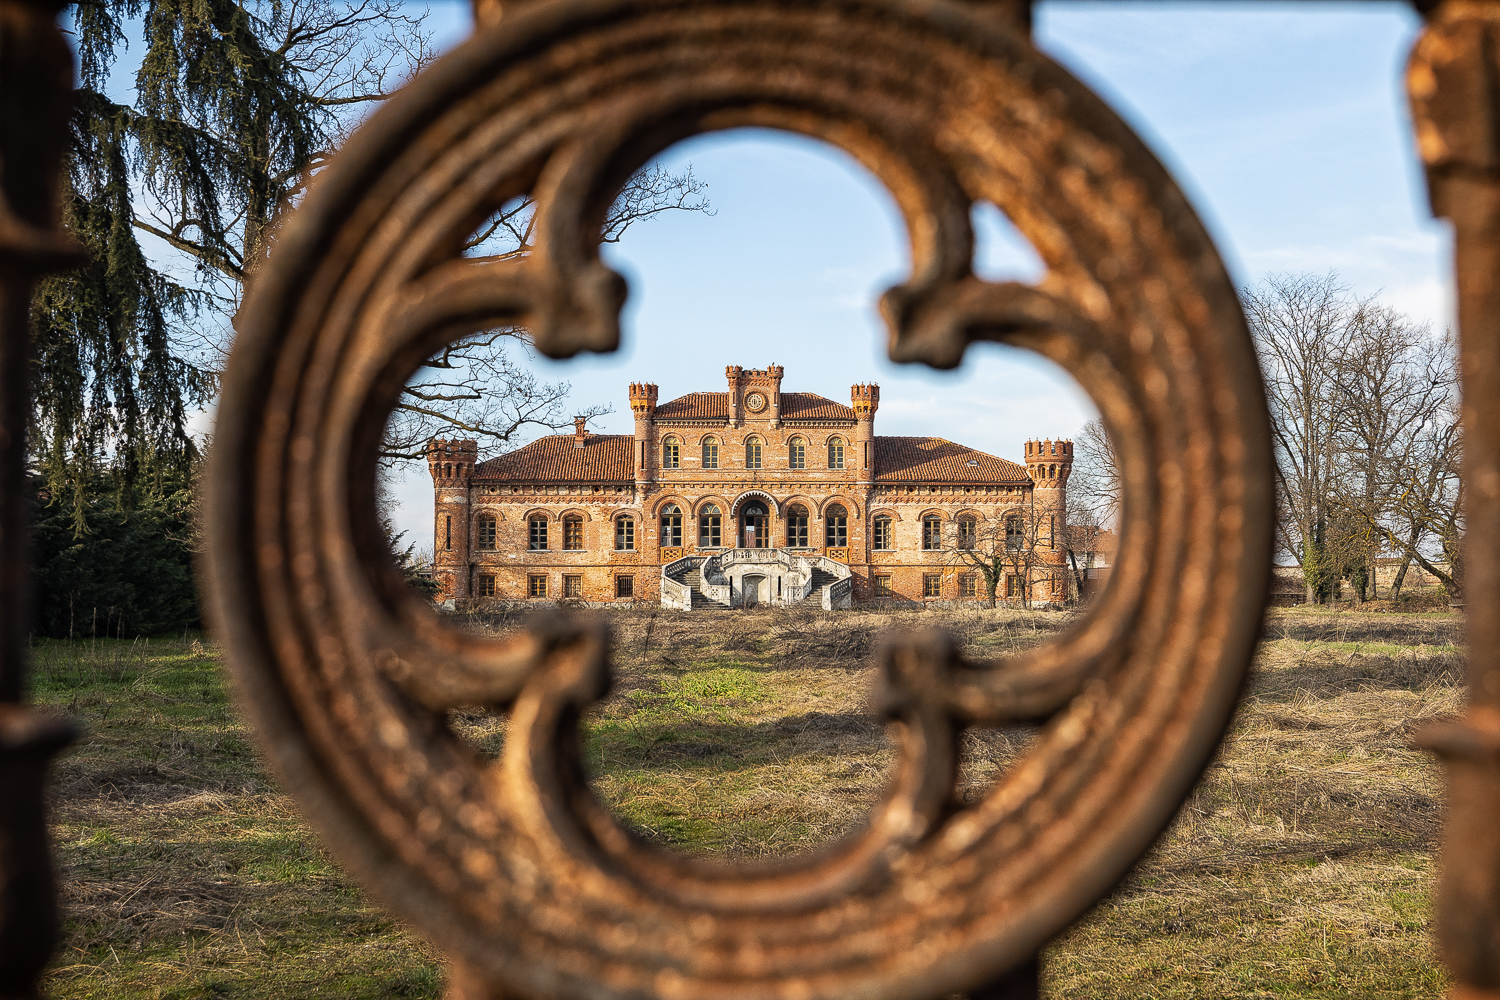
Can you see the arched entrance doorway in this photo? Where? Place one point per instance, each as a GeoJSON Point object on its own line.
{"type": "Point", "coordinates": [754, 519]}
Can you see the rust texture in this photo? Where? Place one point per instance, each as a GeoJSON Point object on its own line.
{"type": "Point", "coordinates": [36, 80]}
{"type": "Point", "coordinates": [1452, 80]}
{"type": "Point", "coordinates": [514, 868]}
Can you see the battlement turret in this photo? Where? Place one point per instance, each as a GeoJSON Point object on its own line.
{"type": "Point", "coordinates": [1049, 462]}
{"type": "Point", "coordinates": [865, 399]}
{"type": "Point", "coordinates": [643, 399]}
{"type": "Point", "coordinates": [451, 462]}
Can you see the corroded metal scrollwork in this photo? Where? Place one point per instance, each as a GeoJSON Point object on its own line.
{"type": "Point", "coordinates": [515, 868]}
{"type": "Point", "coordinates": [36, 75]}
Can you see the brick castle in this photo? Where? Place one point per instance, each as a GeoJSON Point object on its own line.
{"type": "Point", "coordinates": [748, 496]}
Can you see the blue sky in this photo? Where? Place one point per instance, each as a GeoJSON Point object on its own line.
{"type": "Point", "coordinates": [1284, 123]}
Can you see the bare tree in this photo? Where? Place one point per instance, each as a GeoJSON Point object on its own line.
{"type": "Point", "coordinates": [1094, 485]}
{"type": "Point", "coordinates": [1080, 540]}
{"type": "Point", "coordinates": [998, 549]}
{"type": "Point", "coordinates": [482, 385]}
{"type": "Point", "coordinates": [1302, 327]}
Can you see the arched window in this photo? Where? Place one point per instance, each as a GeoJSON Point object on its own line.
{"type": "Point", "coordinates": [796, 526]}
{"type": "Point", "coordinates": [968, 531]}
{"type": "Point", "coordinates": [671, 454]}
{"type": "Point", "coordinates": [710, 528]}
{"type": "Point", "coordinates": [836, 526]}
{"type": "Point", "coordinates": [537, 533]}
{"type": "Point", "coordinates": [885, 538]}
{"type": "Point", "coordinates": [573, 533]}
{"type": "Point", "coordinates": [710, 453]}
{"type": "Point", "coordinates": [1015, 532]}
{"type": "Point", "coordinates": [625, 534]}
{"type": "Point", "coordinates": [932, 532]}
{"type": "Point", "coordinates": [835, 453]}
{"type": "Point", "coordinates": [484, 531]}
{"type": "Point", "coordinates": [448, 471]}
{"type": "Point", "coordinates": [796, 454]}
{"type": "Point", "coordinates": [671, 526]}
{"type": "Point", "coordinates": [752, 453]}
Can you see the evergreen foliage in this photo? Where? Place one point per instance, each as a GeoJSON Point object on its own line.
{"type": "Point", "coordinates": [128, 573]}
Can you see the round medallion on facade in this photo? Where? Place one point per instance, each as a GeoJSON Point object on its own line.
{"type": "Point", "coordinates": [755, 402]}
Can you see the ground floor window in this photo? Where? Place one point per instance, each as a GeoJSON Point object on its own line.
{"type": "Point", "coordinates": [882, 586]}
{"type": "Point", "coordinates": [710, 526]}
{"type": "Point", "coordinates": [572, 586]}
{"type": "Point", "coordinates": [486, 586]}
{"type": "Point", "coordinates": [932, 585]}
{"type": "Point", "coordinates": [968, 585]}
{"type": "Point", "coordinates": [624, 586]}
{"type": "Point", "coordinates": [1013, 586]}
{"type": "Point", "coordinates": [536, 586]}
{"type": "Point", "coordinates": [796, 526]}
{"type": "Point", "coordinates": [836, 526]}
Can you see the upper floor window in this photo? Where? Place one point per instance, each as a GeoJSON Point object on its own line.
{"type": "Point", "coordinates": [836, 526]}
{"type": "Point", "coordinates": [796, 526]}
{"type": "Point", "coordinates": [710, 527]}
{"type": "Point", "coordinates": [1014, 532]}
{"type": "Point", "coordinates": [968, 532]}
{"type": "Point", "coordinates": [932, 532]}
{"type": "Point", "coordinates": [835, 453]}
{"type": "Point", "coordinates": [484, 531]}
{"type": "Point", "coordinates": [671, 454]}
{"type": "Point", "coordinates": [710, 453]}
{"type": "Point", "coordinates": [884, 537]}
{"type": "Point", "coordinates": [538, 534]}
{"type": "Point", "coordinates": [796, 454]}
{"type": "Point", "coordinates": [625, 534]}
{"type": "Point", "coordinates": [573, 533]}
{"type": "Point", "coordinates": [671, 525]}
{"type": "Point", "coordinates": [752, 453]}
{"type": "Point", "coordinates": [448, 531]}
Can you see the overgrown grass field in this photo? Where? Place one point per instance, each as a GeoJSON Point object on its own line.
{"type": "Point", "coordinates": [1302, 866]}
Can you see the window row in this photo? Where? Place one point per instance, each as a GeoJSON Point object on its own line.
{"type": "Point", "coordinates": [755, 521]}
{"type": "Point", "coordinates": [536, 586]}
{"type": "Point", "coordinates": [796, 453]}
{"type": "Point", "coordinates": [932, 585]}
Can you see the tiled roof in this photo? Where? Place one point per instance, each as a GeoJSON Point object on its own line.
{"type": "Point", "coordinates": [715, 406]}
{"type": "Point", "coordinates": [604, 458]}
{"type": "Point", "coordinates": [934, 460]}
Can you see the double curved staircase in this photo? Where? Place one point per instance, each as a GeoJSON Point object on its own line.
{"type": "Point", "coordinates": [739, 578]}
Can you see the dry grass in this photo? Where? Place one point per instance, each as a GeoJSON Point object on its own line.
{"type": "Point", "coordinates": [1301, 866]}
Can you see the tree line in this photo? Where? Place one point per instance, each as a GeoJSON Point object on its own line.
{"type": "Point", "coordinates": [174, 183]}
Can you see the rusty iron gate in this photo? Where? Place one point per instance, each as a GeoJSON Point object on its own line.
{"type": "Point", "coordinates": [514, 869]}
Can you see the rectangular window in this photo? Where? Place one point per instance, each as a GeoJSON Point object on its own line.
{"type": "Point", "coordinates": [835, 453]}
{"type": "Point", "coordinates": [573, 534]}
{"type": "Point", "coordinates": [538, 534]}
{"type": "Point", "coordinates": [1013, 586]}
{"type": "Point", "coordinates": [968, 585]}
{"type": "Point", "coordinates": [625, 535]}
{"type": "Point", "coordinates": [448, 531]}
{"type": "Point", "coordinates": [796, 530]}
{"type": "Point", "coordinates": [710, 454]}
{"type": "Point", "coordinates": [671, 457]}
{"type": "Point", "coordinates": [572, 586]}
{"type": "Point", "coordinates": [752, 453]}
{"type": "Point", "coordinates": [487, 531]}
{"type": "Point", "coordinates": [536, 586]}
{"type": "Point", "coordinates": [882, 586]}
{"type": "Point", "coordinates": [932, 585]}
{"type": "Point", "coordinates": [883, 533]}
{"type": "Point", "coordinates": [486, 586]}
{"type": "Point", "coordinates": [932, 533]}
{"type": "Point", "coordinates": [797, 455]}
{"type": "Point", "coordinates": [624, 586]}
{"type": "Point", "coordinates": [709, 531]}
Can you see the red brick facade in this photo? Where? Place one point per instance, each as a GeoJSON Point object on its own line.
{"type": "Point", "coordinates": [590, 516]}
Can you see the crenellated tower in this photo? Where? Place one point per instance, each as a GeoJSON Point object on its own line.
{"type": "Point", "coordinates": [1049, 464]}
{"type": "Point", "coordinates": [451, 464]}
{"type": "Point", "coordinates": [865, 399]}
{"type": "Point", "coordinates": [643, 405]}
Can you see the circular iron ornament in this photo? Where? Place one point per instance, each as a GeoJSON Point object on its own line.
{"type": "Point", "coordinates": [513, 867]}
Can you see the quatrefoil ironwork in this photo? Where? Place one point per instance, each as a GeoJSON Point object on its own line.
{"type": "Point", "coordinates": [514, 868]}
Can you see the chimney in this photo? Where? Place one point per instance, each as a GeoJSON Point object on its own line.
{"type": "Point", "coordinates": [580, 431]}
